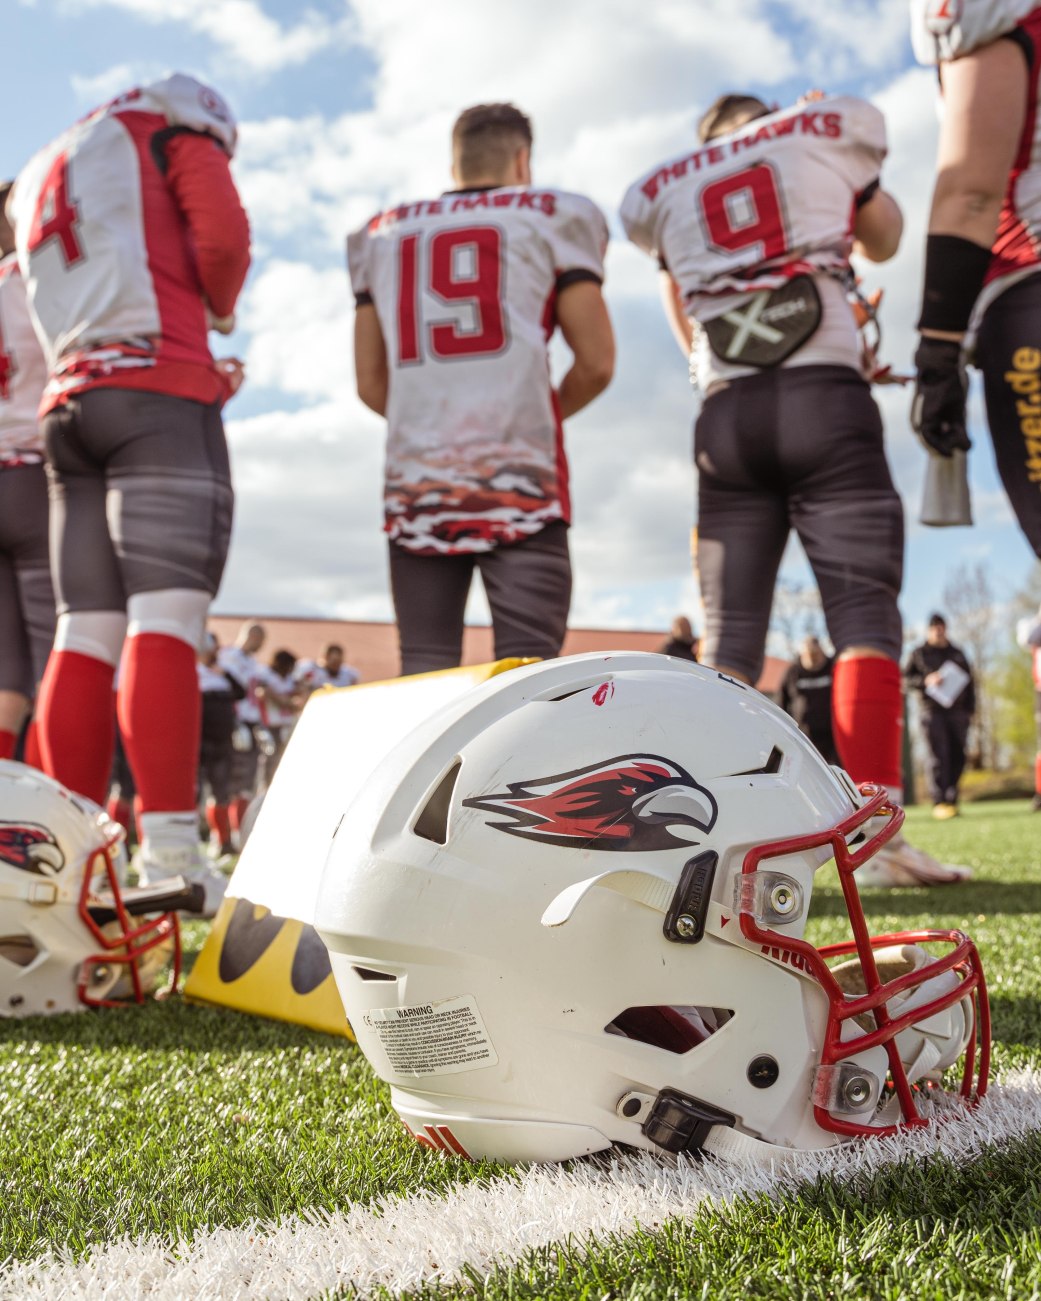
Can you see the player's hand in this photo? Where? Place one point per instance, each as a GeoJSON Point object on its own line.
{"type": "Point", "coordinates": [938, 406]}
{"type": "Point", "coordinates": [222, 324]}
{"type": "Point", "coordinates": [233, 372]}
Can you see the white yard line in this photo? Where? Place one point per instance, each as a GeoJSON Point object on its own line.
{"type": "Point", "coordinates": [401, 1242]}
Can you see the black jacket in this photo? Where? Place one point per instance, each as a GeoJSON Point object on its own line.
{"type": "Point", "coordinates": [926, 659]}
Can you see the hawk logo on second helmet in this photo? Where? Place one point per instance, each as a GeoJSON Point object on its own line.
{"type": "Point", "coordinates": [636, 803]}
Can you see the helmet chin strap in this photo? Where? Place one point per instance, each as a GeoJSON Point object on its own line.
{"type": "Point", "coordinates": [728, 1144]}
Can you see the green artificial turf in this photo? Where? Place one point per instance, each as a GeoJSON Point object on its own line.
{"type": "Point", "coordinates": [172, 1117]}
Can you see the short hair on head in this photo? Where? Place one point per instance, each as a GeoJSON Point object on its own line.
{"type": "Point", "coordinates": [729, 113]}
{"type": "Point", "coordinates": [485, 138]}
{"type": "Point", "coordinates": [283, 662]}
{"type": "Point", "coordinates": [333, 647]}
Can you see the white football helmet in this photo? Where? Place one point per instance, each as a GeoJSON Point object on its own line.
{"type": "Point", "coordinates": [70, 935]}
{"type": "Point", "coordinates": [569, 912]}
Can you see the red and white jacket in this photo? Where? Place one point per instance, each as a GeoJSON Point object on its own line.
{"type": "Point", "coordinates": [129, 230]}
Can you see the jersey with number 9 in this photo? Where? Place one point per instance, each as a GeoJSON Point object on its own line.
{"type": "Point", "coordinates": [464, 286]}
{"type": "Point", "coordinates": [751, 209]}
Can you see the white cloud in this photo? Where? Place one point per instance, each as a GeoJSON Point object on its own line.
{"type": "Point", "coordinates": [611, 87]}
{"type": "Point", "coordinates": [243, 31]}
{"type": "Point", "coordinates": [106, 85]}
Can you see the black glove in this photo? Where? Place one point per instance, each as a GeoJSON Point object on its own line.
{"type": "Point", "coordinates": [938, 408]}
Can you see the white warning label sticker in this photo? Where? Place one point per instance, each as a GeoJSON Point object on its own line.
{"type": "Point", "coordinates": [441, 1038]}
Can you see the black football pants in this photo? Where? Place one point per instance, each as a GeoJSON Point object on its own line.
{"type": "Point", "coordinates": [528, 586]}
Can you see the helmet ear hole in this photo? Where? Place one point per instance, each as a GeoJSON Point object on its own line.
{"type": "Point", "coordinates": [18, 949]}
{"type": "Point", "coordinates": [673, 1029]}
{"type": "Point", "coordinates": [432, 822]}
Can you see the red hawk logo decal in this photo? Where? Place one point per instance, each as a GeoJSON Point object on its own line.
{"type": "Point", "coordinates": [30, 848]}
{"type": "Point", "coordinates": [637, 802]}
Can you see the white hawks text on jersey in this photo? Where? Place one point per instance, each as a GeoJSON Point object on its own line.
{"type": "Point", "coordinates": [752, 209]}
{"type": "Point", "coordinates": [944, 30]}
{"type": "Point", "coordinates": [23, 371]}
{"type": "Point", "coordinates": [126, 227]}
{"type": "Point", "coordinates": [464, 286]}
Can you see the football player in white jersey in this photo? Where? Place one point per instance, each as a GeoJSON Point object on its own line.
{"type": "Point", "coordinates": [240, 663]}
{"type": "Point", "coordinates": [982, 293]}
{"type": "Point", "coordinates": [26, 595]}
{"type": "Point", "coordinates": [330, 671]}
{"type": "Point", "coordinates": [133, 242]}
{"type": "Point", "coordinates": [753, 231]}
{"type": "Point", "coordinates": [457, 297]}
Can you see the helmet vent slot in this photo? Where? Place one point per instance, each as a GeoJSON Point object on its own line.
{"type": "Point", "coordinates": [432, 823]}
{"type": "Point", "coordinates": [367, 973]}
{"type": "Point", "coordinates": [772, 765]}
{"type": "Point", "coordinates": [18, 949]}
{"type": "Point", "coordinates": [673, 1029]}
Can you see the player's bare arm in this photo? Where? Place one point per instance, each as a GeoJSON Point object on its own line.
{"type": "Point", "coordinates": [985, 96]}
{"type": "Point", "coordinates": [877, 228]}
{"type": "Point", "coordinates": [370, 360]}
{"type": "Point", "coordinates": [984, 105]}
{"type": "Point", "coordinates": [675, 313]}
{"type": "Point", "coordinates": [586, 327]}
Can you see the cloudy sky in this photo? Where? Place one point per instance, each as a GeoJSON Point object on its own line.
{"type": "Point", "coordinates": [346, 105]}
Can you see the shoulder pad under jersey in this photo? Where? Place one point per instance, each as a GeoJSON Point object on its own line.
{"type": "Point", "coordinates": [190, 103]}
{"type": "Point", "coordinates": [942, 30]}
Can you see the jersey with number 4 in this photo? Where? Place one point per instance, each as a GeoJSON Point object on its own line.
{"type": "Point", "coordinates": [465, 287]}
{"type": "Point", "coordinates": [23, 371]}
{"type": "Point", "coordinates": [127, 226]}
{"type": "Point", "coordinates": [752, 209]}
{"type": "Point", "coordinates": [945, 30]}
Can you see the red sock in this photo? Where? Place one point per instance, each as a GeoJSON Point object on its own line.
{"type": "Point", "coordinates": [32, 746]}
{"type": "Point", "coordinates": [118, 809]}
{"type": "Point", "coordinates": [867, 713]}
{"type": "Point", "coordinates": [76, 722]}
{"type": "Point", "coordinates": [8, 741]}
{"type": "Point", "coordinates": [1037, 774]}
{"type": "Point", "coordinates": [219, 822]}
{"type": "Point", "coordinates": [237, 809]}
{"type": "Point", "coordinates": [160, 719]}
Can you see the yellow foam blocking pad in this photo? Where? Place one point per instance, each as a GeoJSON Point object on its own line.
{"type": "Point", "coordinates": [263, 954]}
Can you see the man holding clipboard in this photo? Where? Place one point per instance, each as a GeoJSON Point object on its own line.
{"type": "Point", "coordinates": [940, 672]}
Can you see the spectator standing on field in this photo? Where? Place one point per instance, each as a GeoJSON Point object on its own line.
{"type": "Point", "coordinates": [280, 698]}
{"type": "Point", "coordinates": [219, 692]}
{"type": "Point", "coordinates": [1028, 634]}
{"type": "Point", "coordinates": [806, 695]}
{"type": "Point", "coordinates": [682, 644]}
{"type": "Point", "coordinates": [939, 671]}
{"type": "Point", "coordinates": [240, 662]}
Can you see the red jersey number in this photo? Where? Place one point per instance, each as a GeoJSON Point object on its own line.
{"type": "Point", "coordinates": [743, 210]}
{"type": "Point", "coordinates": [56, 216]}
{"type": "Point", "coordinates": [463, 267]}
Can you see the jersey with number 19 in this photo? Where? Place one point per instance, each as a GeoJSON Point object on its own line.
{"type": "Point", "coordinates": [759, 206]}
{"type": "Point", "coordinates": [464, 286]}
